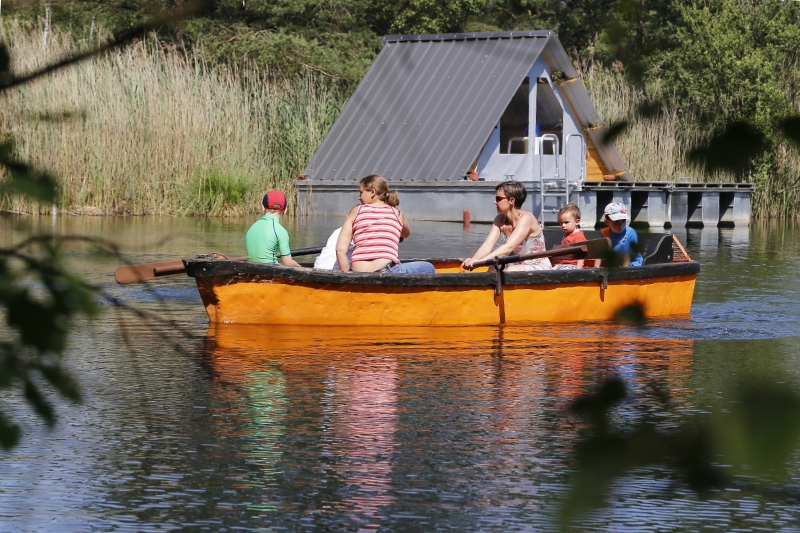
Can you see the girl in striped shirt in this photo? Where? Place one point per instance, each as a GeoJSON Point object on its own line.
{"type": "Point", "coordinates": [376, 228]}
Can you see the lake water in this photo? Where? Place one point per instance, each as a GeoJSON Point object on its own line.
{"type": "Point", "coordinates": [187, 426]}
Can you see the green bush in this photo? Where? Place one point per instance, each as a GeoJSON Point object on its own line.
{"type": "Point", "coordinates": [214, 193]}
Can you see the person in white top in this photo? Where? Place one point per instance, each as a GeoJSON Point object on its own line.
{"type": "Point", "coordinates": [327, 257]}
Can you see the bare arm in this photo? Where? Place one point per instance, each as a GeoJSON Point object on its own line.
{"type": "Point", "coordinates": [406, 231]}
{"type": "Point", "coordinates": [525, 227]}
{"type": "Point", "coordinates": [519, 234]}
{"type": "Point", "coordinates": [343, 242]}
{"type": "Point", "coordinates": [485, 248]}
{"type": "Point", "coordinates": [288, 261]}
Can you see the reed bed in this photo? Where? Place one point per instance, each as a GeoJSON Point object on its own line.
{"type": "Point", "coordinates": [145, 131]}
{"type": "Point", "coordinates": [655, 149]}
{"type": "Point", "coordinates": [148, 131]}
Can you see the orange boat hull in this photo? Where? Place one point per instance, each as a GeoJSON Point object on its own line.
{"type": "Point", "coordinates": [255, 298]}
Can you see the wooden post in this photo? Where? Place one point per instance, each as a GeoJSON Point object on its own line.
{"type": "Point", "coordinates": [467, 218]}
{"type": "Point", "coordinates": [46, 35]}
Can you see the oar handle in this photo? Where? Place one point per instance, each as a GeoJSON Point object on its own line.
{"type": "Point", "coordinates": [307, 251]}
{"type": "Point", "coordinates": [594, 248]}
{"type": "Point", "coordinates": [525, 257]}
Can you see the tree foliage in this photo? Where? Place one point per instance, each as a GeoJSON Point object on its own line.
{"type": "Point", "coordinates": [39, 319]}
{"type": "Point", "coordinates": [736, 61]}
{"type": "Point", "coordinates": [39, 296]}
{"type": "Point", "coordinates": [751, 441]}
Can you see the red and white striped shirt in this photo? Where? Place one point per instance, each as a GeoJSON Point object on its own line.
{"type": "Point", "coordinates": [376, 233]}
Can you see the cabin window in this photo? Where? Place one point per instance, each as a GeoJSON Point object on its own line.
{"type": "Point", "coordinates": [549, 116]}
{"type": "Point", "coordinates": [514, 122]}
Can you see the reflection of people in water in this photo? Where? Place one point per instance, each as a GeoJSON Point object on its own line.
{"type": "Point", "coordinates": [370, 422]}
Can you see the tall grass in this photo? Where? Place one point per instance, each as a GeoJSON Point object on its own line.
{"type": "Point", "coordinates": [147, 131]}
{"type": "Point", "coordinates": [151, 132]}
{"type": "Point", "coordinates": [655, 149]}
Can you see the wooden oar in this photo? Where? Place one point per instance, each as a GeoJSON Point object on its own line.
{"type": "Point", "coordinates": [594, 249]}
{"type": "Point", "coordinates": [166, 269]}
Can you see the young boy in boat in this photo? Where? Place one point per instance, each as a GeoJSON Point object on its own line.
{"type": "Point", "coordinates": [569, 218]}
{"type": "Point", "coordinates": [623, 238]}
{"type": "Point", "coordinates": [267, 239]}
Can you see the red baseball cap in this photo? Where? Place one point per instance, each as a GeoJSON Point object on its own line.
{"type": "Point", "coordinates": [274, 200]}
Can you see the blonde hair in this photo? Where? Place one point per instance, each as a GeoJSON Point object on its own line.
{"type": "Point", "coordinates": [377, 183]}
{"type": "Point", "coordinates": [572, 209]}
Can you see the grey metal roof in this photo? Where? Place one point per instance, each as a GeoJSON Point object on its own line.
{"type": "Point", "coordinates": [429, 102]}
{"type": "Point", "coordinates": [426, 106]}
{"type": "Point", "coordinates": [467, 36]}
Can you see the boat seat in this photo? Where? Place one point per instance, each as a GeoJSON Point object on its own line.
{"type": "Point", "coordinates": [656, 247]}
{"type": "Point", "coordinates": [658, 250]}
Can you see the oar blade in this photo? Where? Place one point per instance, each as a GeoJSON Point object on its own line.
{"type": "Point", "coordinates": [148, 271]}
{"type": "Point", "coordinates": [596, 248]}
{"type": "Point", "coordinates": [167, 269]}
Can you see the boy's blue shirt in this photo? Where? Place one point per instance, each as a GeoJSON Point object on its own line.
{"type": "Point", "coordinates": [622, 244]}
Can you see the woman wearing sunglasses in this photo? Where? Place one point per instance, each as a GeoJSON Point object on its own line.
{"type": "Point", "coordinates": [520, 231]}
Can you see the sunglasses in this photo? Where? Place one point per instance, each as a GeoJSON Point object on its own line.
{"type": "Point", "coordinates": [500, 198]}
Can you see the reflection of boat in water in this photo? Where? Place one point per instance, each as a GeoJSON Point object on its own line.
{"type": "Point", "coordinates": [587, 352]}
{"type": "Point", "coordinates": [350, 419]}
{"type": "Point", "coordinates": [245, 292]}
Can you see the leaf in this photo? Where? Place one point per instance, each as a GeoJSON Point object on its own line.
{"type": "Point", "coordinates": [81, 297]}
{"type": "Point", "coordinates": [631, 315]}
{"type": "Point", "coordinates": [39, 403]}
{"type": "Point", "coordinates": [5, 60]}
{"type": "Point", "coordinates": [61, 381]}
{"type": "Point", "coordinates": [9, 433]}
{"type": "Point", "coordinates": [650, 109]}
{"type": "Point", "coordinates": [35, 185]}
{"type": "Point", "coordinates": [63, 116]}
{"type": "Point", "coordinates": [614, 131]}
{"type": "Point", "coordinates": [23, 179]}
{"type": "Point", "coordinates": [731, 150]}
{"type": "Point", "coordinates": [758, 435]}
{"type": "Point", "coordinates": [595, 406]}
{"type": "Point", "coordinates": [693, 455]}
{"type": "Point", "coordinates": [791, 128]}
{"type": "Point", "coordinates": [9, 366]}
{"type": "Point", "coordinates": [39, 326]}
{"type": "Point", "coordinates": [761, 431]}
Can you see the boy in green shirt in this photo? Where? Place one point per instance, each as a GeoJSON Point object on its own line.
{"type": "Point", "coordinates": [266, 238]}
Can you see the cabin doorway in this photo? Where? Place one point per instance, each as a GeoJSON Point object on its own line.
{"type": "Point", "coordinates": [549, 118]}
{"type": "Point", "coordinates": [514, 123]}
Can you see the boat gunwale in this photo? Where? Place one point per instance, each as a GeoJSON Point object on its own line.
{"type": "Point", "coordinates": [204, 268]}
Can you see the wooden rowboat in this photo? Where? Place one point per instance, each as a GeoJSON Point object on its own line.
{"type": "Point", "coordinates": [259, 293]}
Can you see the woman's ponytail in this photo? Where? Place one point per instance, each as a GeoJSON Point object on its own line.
{"type": "Point", "coordinates": [392, 198]}
{"type": "Point", "coordinates": [377, 183]}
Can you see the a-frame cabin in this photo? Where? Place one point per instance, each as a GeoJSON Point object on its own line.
{"type": "Point", "coordinates": [435, 110]}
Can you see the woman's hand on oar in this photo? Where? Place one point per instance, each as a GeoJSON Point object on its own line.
{"type": "Point", "coordinates": [166, 269]}
{"type": "Point", "coordinates": [590, 249]}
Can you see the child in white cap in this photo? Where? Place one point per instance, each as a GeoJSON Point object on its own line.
{"type": "Point", "coordinates": [624, 239]}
